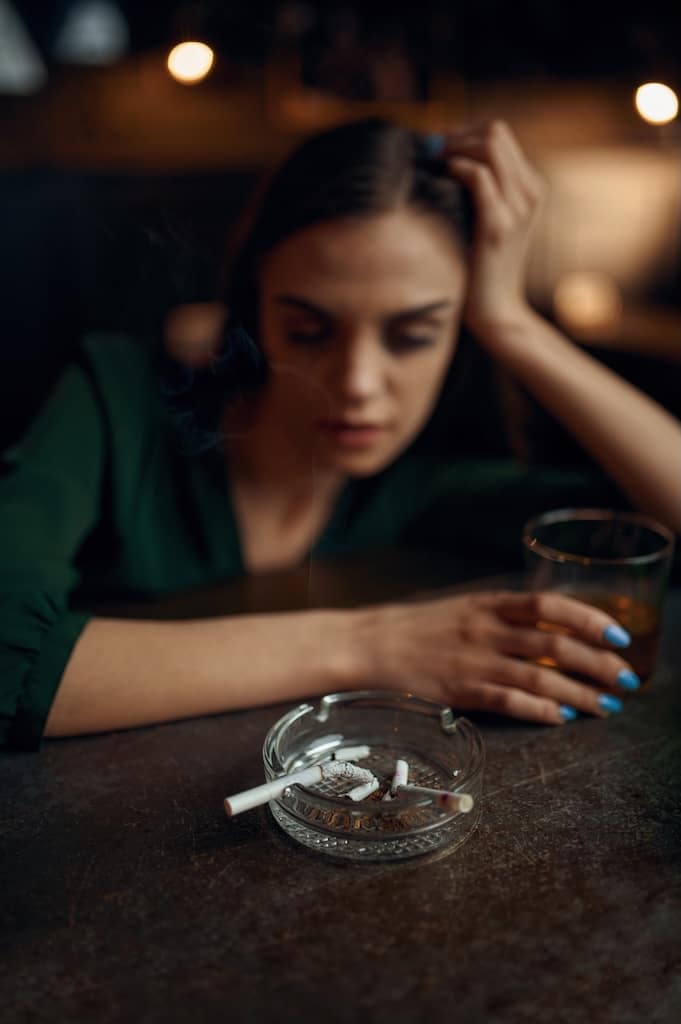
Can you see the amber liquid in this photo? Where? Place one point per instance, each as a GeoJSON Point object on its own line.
{"type": "Point", "coordinates": [641, 620]}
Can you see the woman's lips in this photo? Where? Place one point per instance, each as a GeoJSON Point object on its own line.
{"type": "Point", "coordinates": [352, 435]}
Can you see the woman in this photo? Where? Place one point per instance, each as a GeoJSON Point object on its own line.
{"type": "Point", "coordinates": [353, 280]}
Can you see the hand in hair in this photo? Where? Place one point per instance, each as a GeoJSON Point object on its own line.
{"type": "Point", "coordinates": [633, 439]}
{"type": "Point", "coordinates": [506, 193]}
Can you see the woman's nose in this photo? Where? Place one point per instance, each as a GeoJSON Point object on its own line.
{"type": "Point", "coordinates": [359, 372]}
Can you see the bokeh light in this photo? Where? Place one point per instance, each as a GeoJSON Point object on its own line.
{"type": "Point", "coordinates": [190, 62]}
{"type": "Point", "coordinates": [93, 32]}
{"type": "Point", "coordinates": [656, 103]}
{"type": "Point", "coordinates": [587, 300]}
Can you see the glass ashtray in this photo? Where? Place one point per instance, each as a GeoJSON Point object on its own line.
{"type": "Point", "coordinates": [443, 752]}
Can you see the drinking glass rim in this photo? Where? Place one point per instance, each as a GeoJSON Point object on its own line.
{"type": "Point", "coordinates": [603, 515]}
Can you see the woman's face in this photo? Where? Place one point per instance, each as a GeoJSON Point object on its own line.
{"type": "Point", "coordinates": [358, 320]}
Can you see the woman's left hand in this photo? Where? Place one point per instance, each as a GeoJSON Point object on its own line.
{"type": "Point", "coordinates": [506, 193]}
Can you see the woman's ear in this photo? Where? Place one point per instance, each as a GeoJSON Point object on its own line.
{"type": "Point", "coordinates": [192, 332]}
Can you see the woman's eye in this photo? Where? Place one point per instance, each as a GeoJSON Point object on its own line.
{"type": "Point", "coordinates": [404, 342]}
{"type": "Point", "coordinates": [308, 337]}
{"type": "Point", "coordinates": [396, 343]}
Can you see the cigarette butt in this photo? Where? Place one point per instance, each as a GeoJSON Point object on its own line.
{"type": "Point", "coordinates": [462, 802]}
{"type": "Point", "coordinates": [352, 753]}
{"type": "Point", "coordinates": [400, 777]}
{"type": "Point", "coordinates": [363, 791]}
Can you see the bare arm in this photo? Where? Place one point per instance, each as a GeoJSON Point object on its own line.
{"type": "Point", "coordinates": [636, 441]}
{"type": "Point", "coordinates": [126, 673]}
{"type": "Point", "coordinates": [471, 650]}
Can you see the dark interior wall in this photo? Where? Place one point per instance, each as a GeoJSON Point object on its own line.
{"type": "Point", "coordinates": [82, 252]}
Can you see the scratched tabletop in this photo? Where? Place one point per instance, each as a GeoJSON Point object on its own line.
{"type": "Point", "coordinates": [126, 895]}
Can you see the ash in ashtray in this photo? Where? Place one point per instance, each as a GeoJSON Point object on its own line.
{"type": "Point", "coordinates": [399, 783]}
{"type": "Point", "coordinates": [364, 787]}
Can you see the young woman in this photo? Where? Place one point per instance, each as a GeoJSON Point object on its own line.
{"type": "Point", "coordinates": [346, 299]}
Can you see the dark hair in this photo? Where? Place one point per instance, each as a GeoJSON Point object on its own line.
{"type": "Point", "coordinates": [357, 169]}
{"type": "Point", "coordinates": [353, 170]}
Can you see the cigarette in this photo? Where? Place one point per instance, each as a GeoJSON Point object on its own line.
{"type": "Point", "coordinates": [462, 802]}
{"type": "Point", "coordinates": [270, 790]}
{"type": "Point", "coordinates": [251, 798]}
{"type": "Point", "coordinates": [351, 753]}
{"type": "Point", "coordinates": [363, 791]}
{"type": "Point", "coordinates": [400, 777]}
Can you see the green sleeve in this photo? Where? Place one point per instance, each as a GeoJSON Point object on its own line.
{"type": "Point", "coordinates": [50, 497]}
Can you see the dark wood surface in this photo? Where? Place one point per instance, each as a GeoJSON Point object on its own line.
{"type": "Point", "coordinates": [128, 896]}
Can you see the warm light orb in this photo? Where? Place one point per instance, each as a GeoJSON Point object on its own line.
{"type": "Point", "coordinates": [587, 300]}
{"type": "Point", "coordinates": [190, 62]}
{"type": "Point", "coordinates": [656, 103]}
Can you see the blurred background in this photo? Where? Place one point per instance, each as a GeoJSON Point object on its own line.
{"type": "Point", "coordinates": [134, 133]}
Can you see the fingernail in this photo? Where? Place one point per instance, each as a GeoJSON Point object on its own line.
{"type": "Point", "coordinates": [616, 636]}
{"type": "Point", "coordinates": [569, 714]}
{"type": "Point", "coordinates": [434, 143]}
{"type": "Point", "coordinates": [609, 703]}
{"type": "Point", "coordinates": [628, 680]}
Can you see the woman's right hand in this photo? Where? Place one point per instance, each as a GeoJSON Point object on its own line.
{"type": "Point", "coordinates": [480, 651]}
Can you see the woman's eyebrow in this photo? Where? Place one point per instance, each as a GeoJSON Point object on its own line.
{"type": "Point", "coordinates": [406, 314]}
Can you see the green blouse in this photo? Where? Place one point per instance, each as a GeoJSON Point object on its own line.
{"type": "Point", "coordinates": [100, 501]}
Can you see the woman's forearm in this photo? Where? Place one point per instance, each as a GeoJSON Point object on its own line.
{"type": "Point", "coordinates": [464, 650]}
{"type": "Point", "coordinates": [635, 440]}
{"type": "Point", "coordinates": [125, 673]}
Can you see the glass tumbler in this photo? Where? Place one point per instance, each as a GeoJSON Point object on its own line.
{"type": "Point", "coordinates": [617, 561]}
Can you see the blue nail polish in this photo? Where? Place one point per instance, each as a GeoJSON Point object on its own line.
{"type": "Point", "coordinates": [434, 142]}
{"type": "Point", "coordinates": [568, 713]}
{"type": "Point", "coordinates": [609, 703]}
{"type": "Point", "coordinates": [628, 680]}
{"type": "Point", "coordinates": [616, 636]}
